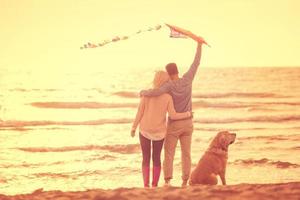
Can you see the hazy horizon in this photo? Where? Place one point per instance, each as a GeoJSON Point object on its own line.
{"type": "Point", "coordinates": [47, 35]}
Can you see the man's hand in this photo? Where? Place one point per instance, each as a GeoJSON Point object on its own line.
{"type": "Point", "coordinates": [200, 40]}
{"type": "Point", "coordinates": [132, 133]}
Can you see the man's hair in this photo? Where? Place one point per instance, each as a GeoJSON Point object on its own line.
{"type": "Point", "coordinates": [172, 69]}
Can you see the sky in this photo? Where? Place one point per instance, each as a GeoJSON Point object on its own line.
{"type": "Point", "coordinates": [46, 35]}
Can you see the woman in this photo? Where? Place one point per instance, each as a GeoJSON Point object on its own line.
{"type": "Point", "coordinates": [151, 118]}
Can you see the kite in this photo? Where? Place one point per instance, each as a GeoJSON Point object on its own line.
{"type": "Point", "coordinates": [176, 32]}
{"type": "Point", "coordinates": [182, 33]}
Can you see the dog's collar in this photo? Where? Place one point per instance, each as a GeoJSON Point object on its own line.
{"type": "Point", "coordinates": [218, 151]}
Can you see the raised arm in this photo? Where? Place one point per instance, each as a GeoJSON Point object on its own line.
{"type": "Point", "coordinates": [139, 114]}
{"type": "Point", "coordinates": [190, 74]}
{"type": "Point", "coordinates": [175, 115]}
{"type": "Point", "coordinates": [165, 88]}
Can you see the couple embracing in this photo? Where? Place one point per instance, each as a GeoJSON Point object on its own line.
{"type": "Point", "coordinates": [173, 95]}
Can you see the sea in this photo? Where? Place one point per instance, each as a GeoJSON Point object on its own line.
{"type": "Point", "coordinates": [70, 131]}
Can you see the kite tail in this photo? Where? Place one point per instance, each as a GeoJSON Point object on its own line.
{"type": "Point", "coordinates": [120, 38]}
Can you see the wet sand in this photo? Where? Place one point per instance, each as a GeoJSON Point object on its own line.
{"type": "Point", "coordinates": [242, 191]}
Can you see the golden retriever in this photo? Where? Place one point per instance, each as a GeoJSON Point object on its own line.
{"type": "Point", "coordinates": [214, 161]}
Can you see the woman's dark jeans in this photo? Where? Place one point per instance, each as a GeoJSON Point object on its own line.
{"type": "Point", "coordinates": [146, 150]}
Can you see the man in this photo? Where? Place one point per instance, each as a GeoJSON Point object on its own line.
{"type": "Point", "coordinates": [181, 91]}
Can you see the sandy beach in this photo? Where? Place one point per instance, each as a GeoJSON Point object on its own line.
{"type": "Point", "coordinates": [73, 125]}
{"type": "Point", "coordinates": [288, 191]}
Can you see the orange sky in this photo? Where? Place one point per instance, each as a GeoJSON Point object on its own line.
{"type": "Point", "coordinates": [47, 34]}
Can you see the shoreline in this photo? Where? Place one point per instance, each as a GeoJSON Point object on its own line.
{"type": "Point", "coordinates": [289, 191]}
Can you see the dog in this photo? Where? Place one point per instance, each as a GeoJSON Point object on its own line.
{"type": "Point", "coordinates": [214, 160]}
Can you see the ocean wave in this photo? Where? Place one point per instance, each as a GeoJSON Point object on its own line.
{"type": "Point", "coordinates": [68, 175]}
{"type": "Point", "coordinates": [295, 137]}
{"type": "Point", "coordinates": [253, 106]}
{"type": "Point", "coordinates": [295, 148]}
{"type": "Point", "coordinates": [206, 104]}
{"type": "Point", "coordinates": [15, 123]}
{"type": "Point", "coordinates": [107, 157]}
{"type": "Point", "coordinates": [35, 89]}
{"type": "Point", "coordinates": [18, 128]}
{"type": "Point", "coordinates": [261, 109]}
{"type": "Point", "coordinates": [101, 157]}
{"type": "Point", "coordinates": [75, 174]}
{"type": "Point", "coordinates": [130, 94]}
{"type": "Point", "coordinates": [196, 104]}
{"type": "Point", "coordinates": [261, 119]}
{"type": "Point", "coordinates": [266, 161]}
{"type": "Point", "coordinates": [30, 165]}
{"type": "Point", "coordinates": [282, 103]}
{"type": "Point", "coordinates": [25, 165]}
{"type": "Point", "coordinates": [78, 105]}
{"type": "Point", "coordinates": [19, 90]}
{"type": "Point", "coordinates": [127, 94]}
{"type": "Point", "coordinates": [215, 130]}
{"type": "Point", "coordinates": [277, 148]}
{"type": "Point", "coordinates": [23, 129]}
{"type": "Point", "coordinates": [19, 125]}
{"type": "Point", "coordinates": [238, 94]}
{"type": "Point", "coordinates": [122, 149]}
{"type": "Point", "coordinates": [52, 175]}
{"type": "Point", "coordinates": [99, 105]}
